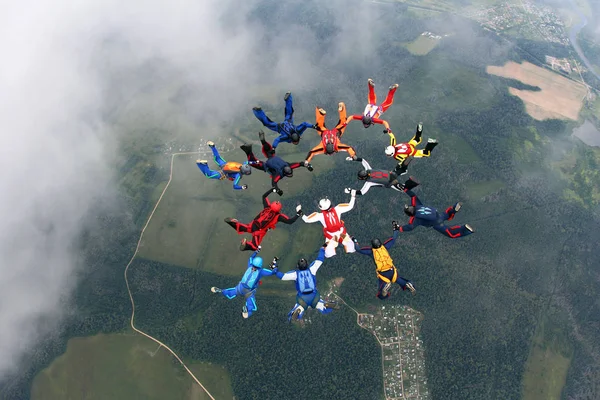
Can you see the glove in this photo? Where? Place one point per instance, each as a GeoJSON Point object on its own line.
{"type": "Point", "coordinates": [274, 190]}
{"type": "Point", "coordinates": [299, 210]}
{"type": "Point", "coordinates": [258, 249]}
{"type": "Point", "coordinates": [279, 191]}
{"type": "Point", "coordinates": [395, 226]}
{"type": "Point", "coordinates": [347, 190]}
{"type": "Point", "coordinates": [349, 159]}
{"type": "Point", "coordinates": [315, 126]}
{"type": "Point", "coordinates": [244, 187]}
{"type": "Point", "coordinates": [275, 269]}
{"type": "Point", "coordinates": [386, 131]}
{"type": "Point", "coordinates": [308, 166]}
{"type": "Point", "coordinates": [353, 239]}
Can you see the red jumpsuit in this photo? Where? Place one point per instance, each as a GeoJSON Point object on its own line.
{"type": "Point", "coordinates": [267, 219]}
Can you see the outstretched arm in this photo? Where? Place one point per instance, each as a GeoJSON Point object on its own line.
{"type": "Point", "coordinates": [408, 227]}
{"type": "Point", "coordinates": [287, 220]}
{"type": "Point", "coordinates": [414, 200]}
{"type": "Point", "coordinates": [288, 276]}
{"type": "Point", "coordinates": [345, 207]}
{"type": "Point", "coordinates": [367, 186]}
{"type": "Point", "coordinates": [265, 200]}
{"type": "Point", "coordinates": [392, 138]}
{"type": "Point", "coordinates": [302, 127]}
{"type": "Point", "coordinates": [236, 182]}
{"type": "Point", "coordinates": [314, 217]}
{"type": "Point", "coordinates": [382, 122]}
{"type": "Point", "coordinates": [390, 242]}
{"type": "Point", "coordinates": [350, 118]}
{"type": "Point", "coordinates": [318, 262]}
{"type": "Point", "coordinates": [367, 251]}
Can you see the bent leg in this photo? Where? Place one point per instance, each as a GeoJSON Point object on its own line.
{"type": "Point", "coordinates": [453, 232]}
{"type": "Point", "coordinates": [389, 99]}
{"type": "Point", "coordinates": [229, 293]}
{"type": "Point", "coordinates": [372, 95]}
{"type": "Point", "coordinates": [380, 285]}
{"type": "Point", "coordinates": [267, 149]}
{"type": "Point", "coordinates": [320, 119]}
{"type": "Point", "coordinates": [422, 153]}
{"type": "Point", "coordinates": [348, 244]}
{"type": "Point", "coordinates": [330, 249]}
{"type": "Point", "coordinates": [289, 109]}
{"type": "Point", "coordinates": [209, 173]}
{"type": "Point", "coordinates": [238, 226]}
{"type": "Point", "coordinates": [266, 121]}
{"type": "Point", "coordinates": [321, 306]}
{"type": "Point", "coordinates": [341, 125]}
{"type": "Point", "coordinates": [218, 159]}
{"type": "Point", "coordinates": [251, 304]}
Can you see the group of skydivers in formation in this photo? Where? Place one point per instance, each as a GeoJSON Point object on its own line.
{"type": "Point", "coordinates": [330, 217]}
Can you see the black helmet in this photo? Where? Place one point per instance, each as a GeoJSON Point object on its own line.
{"type": "Point", "coordinates": [329, 148]}
{"type": "Point", "coordinates": [376, 243]}
{"type": "Point", "coordinates": [245, 169]}
{"type": "Point", "coordinates": [302, 264]}
{"type": "Point", "coordinates": [409, 210]}
{"type": "Point", "coordinates": [363, 174]}
{"type": "Point", "coordinates": [367, 121]}
{"type": "Point", "coordinates": [287, 171]}
{"type": "Point", "coordinates": [295, 137]}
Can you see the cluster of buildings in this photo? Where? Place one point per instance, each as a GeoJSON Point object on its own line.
{"type": "Point", "coordinates": [397, 329]}
{"type": "Point", "coordinates": [526, 19]}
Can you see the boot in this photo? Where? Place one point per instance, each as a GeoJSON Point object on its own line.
{"type": "Point", "coordinates": [245, 312]}
{"type": "Point", "coordinates": [210, 144]}
{"type": "Point", "coordinates": [256, 108]}
{"type": "Point", "coordinates": [468, 227]}
{"type": "Point", "coordinates": [215, 289]}
{"type": "Point", "coordinates": [261, 136]}
{"type": "Point", "coordinates": [287, 96]}
{"type": "Point", "coordinates": [246, 148]}
{"type": "Point", "coordinates": [202, 162]}
{"type": "Point", "coordinates": [332, 305]}
{"type": "Point", "coordinates": [410, 183]}
{"type": "Point", "coordinates": [419, 132]}
{"type": "Point", "coordinates": [457, 206]}
{"type": "Point", "coordinates": [371, 83]}
{"type": "Point", "coordinates": [394, 86]}
{"type": "Point", "coordinates": [431, 143]}
{"type": "Point", "coordinates": [297, 313]}
{"type": "Point", "coordinates": [410, 287]}
{"type": "Point", "coordinates": [386, 289]}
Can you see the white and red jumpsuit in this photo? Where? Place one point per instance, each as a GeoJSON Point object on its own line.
{"type": "Point", "coordinates": [333, 227]}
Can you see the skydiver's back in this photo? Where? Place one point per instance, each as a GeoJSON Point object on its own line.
{"type": "Point", "coordinates": [275, 165]}
{"type": "Point", "coordinates": [427, 214]}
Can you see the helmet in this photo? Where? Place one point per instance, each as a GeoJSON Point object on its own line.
{"type": "Point", "coordinates": [295, 137]}
{"type": "Point", "coordinates": [363, 174]}
{"type": "Point", "coordinates": [376, 243]}
{"type": "Point", "coordinates": [324, 204]}
{"type": "Point", "coordinates": [257, 262]}
{"type": "Point", "coordinates": [302, 264]}
{"type": "Point", "coordinates": [275, 206]}
{"type": "Point", "coordinates": [287, 171]}
{"type": "Point", "coordinates": [329, 148]}
{"type": "Point", "coordinates": [245, 169]}
{"type": "Point", "coordinates": [367, 121]}
{"type": "Point", "coordinates": [390, 150]}
{"type": "Point", "coordinates": [409, 210]}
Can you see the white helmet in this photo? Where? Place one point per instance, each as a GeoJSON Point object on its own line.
{"type": "Point", "coordinates": [324, 204]}
{"type": "Point", "coordinates": [390, 150]}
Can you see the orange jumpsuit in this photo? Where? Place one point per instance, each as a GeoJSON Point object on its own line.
{"type": "Point", "coordinates": [330, 136]}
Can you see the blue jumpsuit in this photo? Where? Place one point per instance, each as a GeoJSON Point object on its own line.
{"type": "Point", "coordinates": [286, 127]}
{"type": "Point", "coordinates": [307, 294]}
{"type": "Point", "coordinates": [248, 285]}
{"type": "Point", "coordinates": [430, 217]}
{"type": "Point", "coordinates": [389, 274]}
{"type": "Point", "coordinates": [221, 174]}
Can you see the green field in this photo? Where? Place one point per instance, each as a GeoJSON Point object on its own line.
{"type": "Point", "coordinates": [187, 228]}
{"type": "Point", "coordinates": [124, 366]}
{"type": "Point", "coordinates": [482, 189]}
{"type": "Point", "coordinates": [546, 368]}
{"type": "Point", "coordinates": [421, 45]}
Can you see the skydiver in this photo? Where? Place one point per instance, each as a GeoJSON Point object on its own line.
{"type": "Point", "coordinates": [275, 166]}
{"type": "Point", "coordinates": [330, 138]}
{"type": "Point", "coordinates": [385, 269]}
{"type": "Point", "coordinates": [427, 216]}
{"type": "Point", "coordinates": [306, 286]}
{"type": "Point", "coordinates": [333, 226]}
{"type": "Point", "coordinates": [267, 219]}
{"type": "Point", "coordinates": [372, 110]}
{"type": "Point", "coordinates": [404, 152]}
{"type": "Point", "coordinates": [288, 132]}
{"type": "Point", "coordinates": [379, 177]}
{"type": "Point", "coordinates": [228, 170]}
{"type": "Point", "coordinates": [249, 283]}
